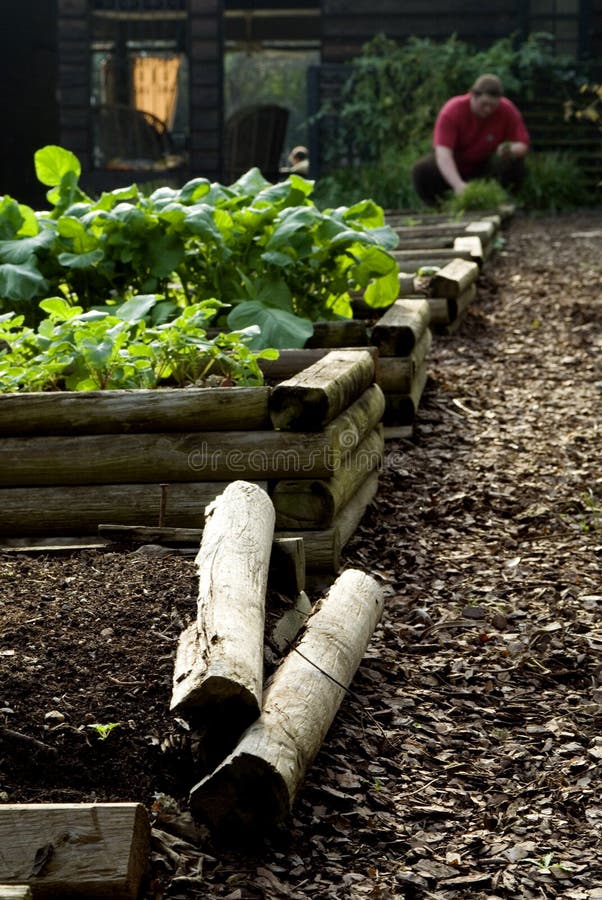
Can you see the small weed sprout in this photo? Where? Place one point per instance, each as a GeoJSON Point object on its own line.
{"type": "Point", "coordinates": [103, 731]}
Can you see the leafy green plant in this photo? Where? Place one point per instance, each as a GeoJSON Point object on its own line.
{"type": "Point", "coordinates": [479, 194]}
{"type": "Point", "coordinates": [265, 247]}
{"type": "Point", "coordinates": [118, 348]}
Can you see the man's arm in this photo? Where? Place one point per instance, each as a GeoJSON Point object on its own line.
{"type": "Point", "coordinates": [447, 166]}
{"type": "Point", "coordinates": [514, 149]}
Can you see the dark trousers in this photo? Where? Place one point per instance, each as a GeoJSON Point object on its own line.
{"type": "Point", "coordinates": [431, 186]}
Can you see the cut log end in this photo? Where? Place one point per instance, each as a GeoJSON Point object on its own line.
{"type": "Point", "coordinates": [246, 797]}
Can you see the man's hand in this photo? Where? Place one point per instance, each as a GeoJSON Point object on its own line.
{"type": "Point", "coordinates": [504, 150]}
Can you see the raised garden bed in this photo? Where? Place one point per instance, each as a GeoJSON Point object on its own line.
{"type": "Point", "coordinates": [71, 462]}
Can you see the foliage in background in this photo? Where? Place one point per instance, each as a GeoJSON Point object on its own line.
{"type": "Point", "coordinates": [554, 182]}
{"type": "Point", "coordinates": [386, 181]}
{"type": "Point", "coordinates": [265, 251]}
{"type": "Point", "coordinates": [587, 107]}
{"type": "Point", "coordinates": [393, 93]}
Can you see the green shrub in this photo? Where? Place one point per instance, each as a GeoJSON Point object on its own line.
{"type": "Point", "coordinates": [554, 182]}
{"type": "Point", "coordinates": [482, 193]}
{"type": "Point", "coordinates": [388, 182]}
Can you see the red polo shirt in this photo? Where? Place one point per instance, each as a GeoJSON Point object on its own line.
{"type": "Point", "coordinates": [472, 139]}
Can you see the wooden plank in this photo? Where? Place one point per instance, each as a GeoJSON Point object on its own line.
{"type": "Point", "coordinates": [103, 412]}
{"type": "Point", "coordinates": [454, 278]}
{"type": "Point", "coordinates": [399, 330]}
{"type": "Point", "coordinates": [316, 396]}
{"type": "Point", "coordinates": [69, 849]}
{"type": "Point", "coordinates": [428, 257]}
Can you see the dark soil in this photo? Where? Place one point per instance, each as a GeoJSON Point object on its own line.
{"type": "Point", "coordinates": [465, 760]}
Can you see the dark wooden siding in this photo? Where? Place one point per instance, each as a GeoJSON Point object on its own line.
{"type": "Point", "coordinates": [205, 52]}
{"type": "Point", "coordinates": [27, 99]}
{"type": "Point", "coordinates": [348, 24]}
{"type": "Point", "coordinates": [73, 78]}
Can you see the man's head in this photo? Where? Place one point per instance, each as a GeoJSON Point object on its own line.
{"type": "Point", "coordinates": [485, 95]}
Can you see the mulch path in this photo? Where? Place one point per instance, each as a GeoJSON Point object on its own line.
{"type": "Point", "coordinates": [465, 760]}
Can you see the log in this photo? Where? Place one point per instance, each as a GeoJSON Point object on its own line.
{"type": "Point", "coordinates": [15, 892]}
{"type": "Point", "coordinates": [339, 333]}
{"type": "Point", "coordinates": [349, 518]}
{"type": "Point", "coordinates": [396, 373]}
{"type": "Point", "coordinates": [80, 509]}
{"type": "Point", "coordinates": [205, 457]}
{"type": "Point", "coordinates": [471, 243]}
{"type": "Point", "coordinates": [351, 427]}
{"type": "Point", "coordinates": [315, 503]}
{"type": "Point", "coordinates": [218, 671]}
{"type": "Point", "coordinates": [454, 278]}
{"type": "Point", "coordinates": [312, 399]}
{"type": "Point", "coordinates": [401, 409]}
{"type": "Point", "coordinates": [75, 850]}
{"type": "Point", "coordinates": [420, 241]}
{"type": "Point", "coordinates": [465, 299]}
{"type": "Point", "coordinates": [255, 787]}
{"type": "Point", "coordinates": [291, 362]}
{"type": "Point", "coordinates": [157, 458]}
{"type": "Point", "coordinates": [485, 230]}
{"type": "Point", "coordinates": [445, 311]}
{"type": "Point", "coordinates": [322, 549]}
{"type": "Point", "coordinates": [111, 412]}
{"type": "Point", "coordinates": [428, 257]}
{"type": "Point", "coordinates": [397, 332]}
{"type": "Point", "coordinates": [442, 311]}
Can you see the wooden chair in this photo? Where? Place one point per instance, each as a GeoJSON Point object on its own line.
{"type": "Point", "coordinates": [254, 136]}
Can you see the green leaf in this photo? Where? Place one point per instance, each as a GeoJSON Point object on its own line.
{"type": "Point", "coordinates": [137, 308]}
{"type": "Point", "coordinates": [279, 328]}
{"type": "Point", "coordinates": [383, 291]}
{"type": "Point", "coordinates": [21, 282]}
{"type": "Point", "coordinates": [251, 183]}
{"type": "Point", "coordinates": [24, 249]}
{"type": "Point", "coordinates": [80, 260]}
{"type": "Point", "coordinates": [165, 254]}
{"type": "Point", "coordinates": [60, 309]}
{"type": "Point", "coordinates": [52, 163]}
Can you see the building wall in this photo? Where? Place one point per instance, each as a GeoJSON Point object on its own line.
{"type": "Point", "coordinates": [28, 107]}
